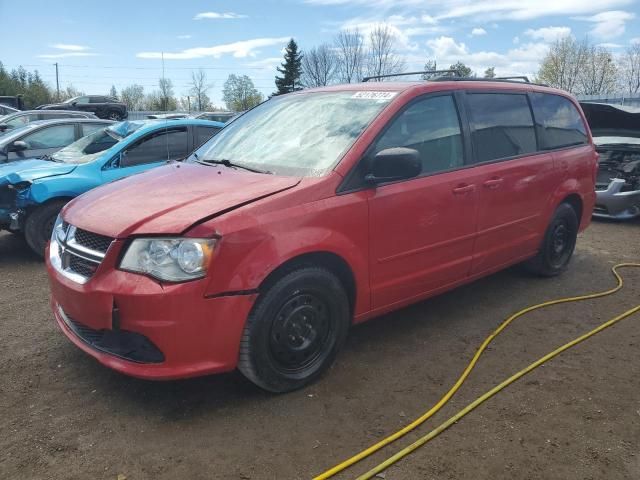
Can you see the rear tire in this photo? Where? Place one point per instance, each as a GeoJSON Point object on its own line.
{"type": "Point", "coordinates": [295, 330]}
{"type": "Point", "coordinates": [39, 225]}
{"type": "Point", "coordinates": [558, 244]}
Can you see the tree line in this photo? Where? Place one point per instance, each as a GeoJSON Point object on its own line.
{"type": "Point", "coordinates": [577, 66]}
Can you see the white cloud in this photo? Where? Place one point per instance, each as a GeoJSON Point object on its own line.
{"type": "Point", "coordinates": [489, 11]}
{"type": "Point", "coordinates": [609, 24]}
{"type": "Point", "coordinates": [516, 40]}
{"type": "Point", "coordinates": [548, 34]}
{"type": "Point", "coordinates": [184, 37]}
{"type": "Point", "coordinates": [403, 27]}
{"type": "Point", "coordinates": [218, 16]}
{"type": "Point", "coordinates": [521, 60]}
{"type": "Point", "coordinates": [610, 45]}
{"type": "Point", "coordinates": [476, 32]}
{"type": "Point", "coordinates": [242, 49]}
{"type": "Point", "coordinates": [266, 63]}
{"type": "Point", "coordinates": [67, 54]}
{"type": "Point", "coordinates": [635, 40]}
{"type": "Point", "coordinates": [69, 47]}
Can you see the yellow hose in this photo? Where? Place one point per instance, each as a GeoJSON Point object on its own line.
{"type": "Point", "coordinates": [419, 421]}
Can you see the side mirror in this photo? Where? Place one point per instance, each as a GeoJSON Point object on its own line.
{"type": "Point", "coordinates": [3, 127]}
{"type": "Point", "coordinates": [393, 164]}
{"type": "Point", "coordinates": [74, 103]}
{"type": "Point", "coordinates": [18, 146]}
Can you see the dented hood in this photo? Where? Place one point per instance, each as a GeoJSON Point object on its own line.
{"type": "Point", "coordinates": [169, 199]}
{"type": "Point", "coordinates": [30, 170]}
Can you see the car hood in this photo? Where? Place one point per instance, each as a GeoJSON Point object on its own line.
{"type": "Point", "coordinates": [170, 199]}
{"type": "Point", "coordinates": [32, 169]}
{"type": "Point", "coordinates": [612, 120]}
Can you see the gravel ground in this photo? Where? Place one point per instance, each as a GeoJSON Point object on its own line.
{"type": "Point", "coordinates": [62, 415]}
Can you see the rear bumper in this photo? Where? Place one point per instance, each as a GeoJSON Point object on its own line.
{"type": "Point", "coordinates": [616, 204]}
{"type": "Point", "coordinates": [159, 332]}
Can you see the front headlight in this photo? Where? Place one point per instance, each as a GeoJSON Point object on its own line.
{"type": "Point", "coordinates": [170, 259]}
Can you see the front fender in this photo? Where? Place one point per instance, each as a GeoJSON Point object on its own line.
{"type": "Point", "coordinates": [56, 187]}
{"type": "Point", "coordinates": [253, 246]}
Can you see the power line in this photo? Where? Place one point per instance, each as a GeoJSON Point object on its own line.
{"type": "Point", "coordinates": [144, 68]}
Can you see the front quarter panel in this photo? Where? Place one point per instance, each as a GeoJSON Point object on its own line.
{"type": "Point", "coordinates": [254, 244]}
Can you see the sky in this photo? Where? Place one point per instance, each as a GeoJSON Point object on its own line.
{"type": "Point", "coordinates": [99, 44]}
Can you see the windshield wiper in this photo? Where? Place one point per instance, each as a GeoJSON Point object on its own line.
{"type": "Point", "coordinates": [230, 164]}
{"type": "Point", "coordinates": [48, 158]}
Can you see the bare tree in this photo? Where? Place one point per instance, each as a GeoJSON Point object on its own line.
{"type": "Point", "coordinates": [382, 58]}
{"type": "Point", "coordinates": [350, 55]}
{"type": "Point", "coordinates": [598, 72]}
{"type": "Point", "coordinates": [429, 66]}
{"type": "Point", "coordinates": [132, 96]}
{"type": "Point", "coordinates": [562, 65]}
{"type": "Point", "coordinates": [199, 87]}
{"type": "Point", "coordinates": [318, 66]}
{"type": "Point", "coordinates": [630, 69]}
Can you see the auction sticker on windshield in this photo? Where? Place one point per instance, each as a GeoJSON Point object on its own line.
{"type": "Point", "coordinates": [382, 96]}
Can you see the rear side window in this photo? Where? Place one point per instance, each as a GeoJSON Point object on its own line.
{"type": "Point", "coordinates": [97, 100]}
{"type": "Point", "coordinates": [170, 144]}
{"type": "Point", "coordinates": [204, 133]}
{"type": "Point", "coordinates": [501, 125]}
{"type": "Point", "coordinates": [431, 127]}
{"type": "Point", "coordinates": [558, 122]}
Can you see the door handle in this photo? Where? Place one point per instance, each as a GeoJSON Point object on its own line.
{"type": "Point", "coordinates": [493, 183]}
{"type": "Point", "coordinates": [463, 189]}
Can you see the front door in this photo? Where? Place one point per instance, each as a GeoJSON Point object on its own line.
{"type": "Point", "coordinates": [422, 230]}
{"type": "Point", "coordinates": [150, 151]}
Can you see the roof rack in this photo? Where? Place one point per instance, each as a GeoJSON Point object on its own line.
{"type": "Point", "coordinates": [424, 72]}
{"type": "Point", "coordinates": [524, 78]}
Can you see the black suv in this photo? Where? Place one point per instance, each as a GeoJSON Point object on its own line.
{"type": "Point", "coordinates": [102, 106]}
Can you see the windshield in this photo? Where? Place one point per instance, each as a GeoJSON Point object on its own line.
{"type": "Point", "coordinates": [70, 100]}
{"type": "Point", "coordinates": [87, 148]}
{"type": "Point", "coordinates": [297, 135]}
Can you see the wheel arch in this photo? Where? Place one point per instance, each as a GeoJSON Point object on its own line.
{"type": "Point", "coordinates": [325, 259]}
{"type": "Point", "coordinates": [575, 201]}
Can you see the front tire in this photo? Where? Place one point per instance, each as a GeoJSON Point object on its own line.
{"type": "Point", "coordinates": [115, 116]}
{"type": "Point", "coordinates": [558, 244]}
{"type": "Point", "coordinates": [39, 225]}
{"type": "Point", "coordinates": [295, 330]}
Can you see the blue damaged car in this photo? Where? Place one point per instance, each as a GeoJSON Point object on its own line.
{"type": "Point", "coordinates": [33, 191]}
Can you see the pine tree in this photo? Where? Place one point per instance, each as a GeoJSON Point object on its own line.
{"type": "Point", "coordinates": [113, 92]}
{"type": "Point", "coordinates": [291, 70]}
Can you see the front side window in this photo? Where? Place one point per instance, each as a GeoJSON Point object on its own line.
{"type": "Point", "coordinates": [432, 128]}
{"type": "Point", "coordinates": [78, 100]}
{"type": "Point", "coordinates": [204, 133]}
{"type": "Point", "coordinates": [302, 134]}
{"type": "Point", "coordinates": [170, 144]}
{"type": "Point", "coordinates": [56, 136]}
{"type": "Point", "coordinates": [558, 122]}
{"type": "Point", "coordinates": [501, 125]}
{"type": "Point", "coordinates": [97, 100]}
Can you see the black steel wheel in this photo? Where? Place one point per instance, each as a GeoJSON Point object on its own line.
{"type": "Point", "coordinates": [558, 244]}
{"type": "Point", "coordinates": [295, 330]}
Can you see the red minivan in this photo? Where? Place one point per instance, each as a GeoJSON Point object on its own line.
{"type": "Point", "coordinates": [315, 211]}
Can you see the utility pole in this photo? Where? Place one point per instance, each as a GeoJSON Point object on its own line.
{"type": "Point", "coordinates": [57, 82]}
{"type": "Point", "coordinates": [164, 87]}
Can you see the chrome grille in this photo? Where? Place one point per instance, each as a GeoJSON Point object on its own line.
{"type": "Point", "coordinates": [92, 241]}
{"type": "Point", "coordinates": [76, 253]}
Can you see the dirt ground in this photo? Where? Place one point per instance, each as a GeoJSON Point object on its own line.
{"type": "Point", "coordinates": [64, 416]}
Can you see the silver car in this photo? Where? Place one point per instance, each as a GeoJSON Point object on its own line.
{"type": "Point", "coordinates": [616, 133]}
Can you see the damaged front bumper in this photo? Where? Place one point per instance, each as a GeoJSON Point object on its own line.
{"type": "Point", "coordinates": [616, 203]}
{"type": "Point", "coordinates": [12, 215]}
